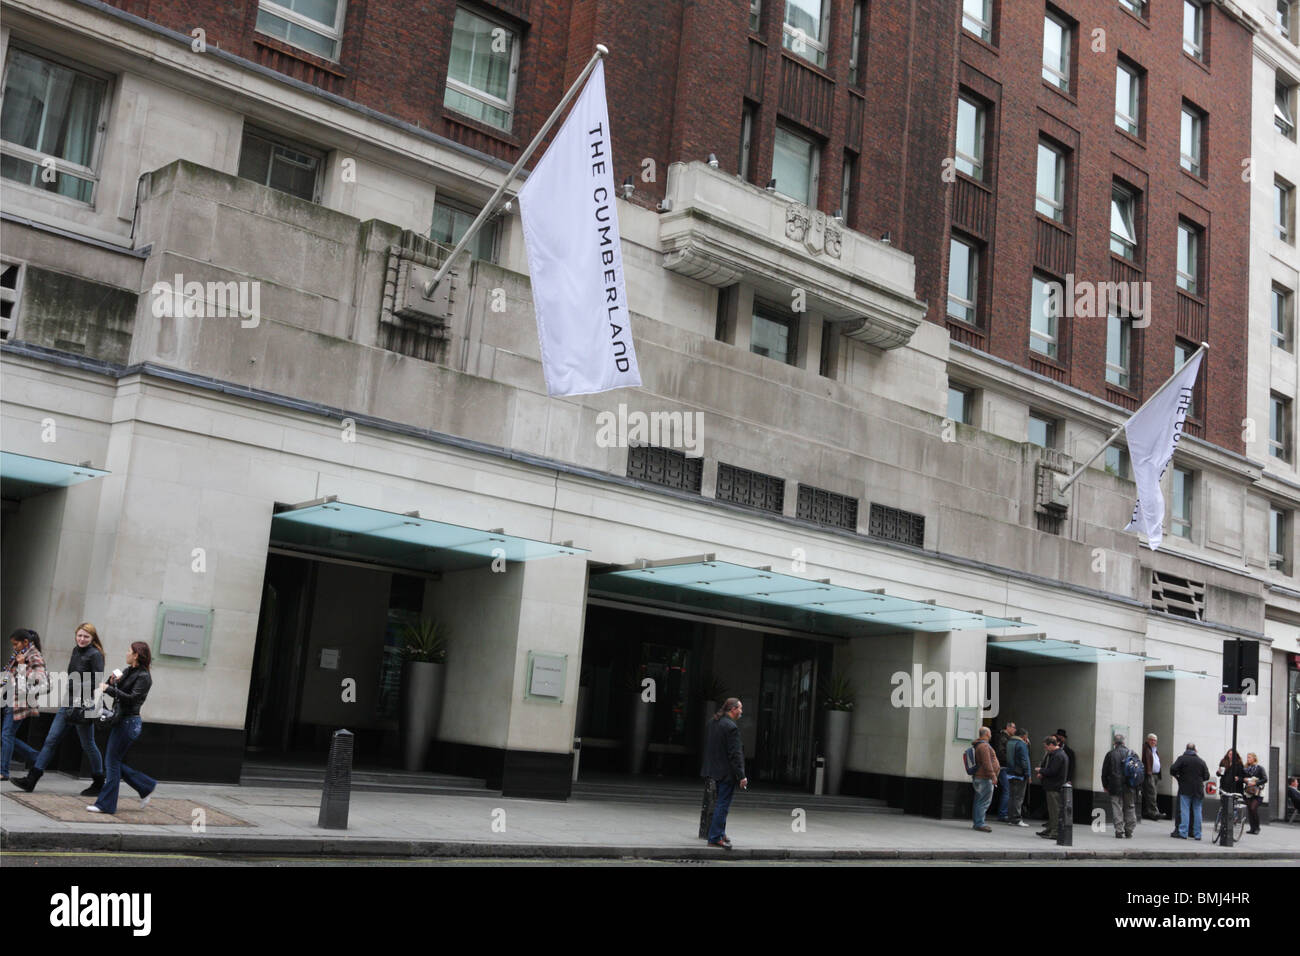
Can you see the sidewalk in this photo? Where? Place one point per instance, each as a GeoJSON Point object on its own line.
{"type": "Point", "coordinates": [282, 821]}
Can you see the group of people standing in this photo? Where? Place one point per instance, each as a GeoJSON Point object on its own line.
{"type": "Point", "coordinates": [1005, 762]}
{"type": "Point", "coordinates": [27, 677]}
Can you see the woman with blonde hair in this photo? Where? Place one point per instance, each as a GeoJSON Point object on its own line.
{"type": "Point", "coordinates": [87, 663]}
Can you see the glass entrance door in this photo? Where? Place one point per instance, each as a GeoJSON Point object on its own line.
{"type": "Point", "coordinates": [787, 710]}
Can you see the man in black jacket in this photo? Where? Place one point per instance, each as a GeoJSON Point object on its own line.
{"type": "Point", "coordinates": [1052, 776]}
{"type": "Point", "coordinates": [1070, 762]}
{"type": "Point", "coordinates": [1123, 796]}
{"type": "Point", "coordinates": [724, 761]}
{"type": "Point", "coordinates": [1191, 773]}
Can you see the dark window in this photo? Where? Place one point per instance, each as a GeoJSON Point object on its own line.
{"type": "Point", "coordinates": [751, 488]}
{"type": "Point", "coordinates": [664, 466]}
{"type": "Point", "coordinates": [289, 167]}
{"type": "Point", "coordinates": [894, 524]}
{"type": "Point", "coordinates": [827, 507]}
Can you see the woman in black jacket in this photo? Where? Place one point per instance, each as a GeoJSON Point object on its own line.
{"type": "Point", "coordinates": [129, 691]}
{"type": "Point", "coordinates": [1254, 771]}
{"type": "Point", "coordinates": [87, 663]}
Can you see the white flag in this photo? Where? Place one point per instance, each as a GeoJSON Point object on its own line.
{"type": "Point", "coordinates": [1153, 433]}
{"type": "Point", "coordinates": [575, 257]}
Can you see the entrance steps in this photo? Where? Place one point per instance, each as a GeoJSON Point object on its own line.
{"type": "Point", "coordinates": [689, 791]}
{"type": "Point", "coordinates": [305, 777]}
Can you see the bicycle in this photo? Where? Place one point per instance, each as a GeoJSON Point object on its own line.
{"type": "Point", "coordinates": [1238, 815]}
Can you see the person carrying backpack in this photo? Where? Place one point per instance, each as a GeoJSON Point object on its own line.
{"type": "Point", "coordinates": [1118, 773]}
{"type": "Point", "coordinates": [985, 772]}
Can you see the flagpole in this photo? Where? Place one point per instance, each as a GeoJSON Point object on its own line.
{"type": "Point", "coordinates": [1061, 485]}
{"type": "Point", "coordinates": [601, 52]}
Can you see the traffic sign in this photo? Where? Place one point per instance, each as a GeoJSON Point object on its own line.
{"type": "Point", "coordinates": [1232, 705]}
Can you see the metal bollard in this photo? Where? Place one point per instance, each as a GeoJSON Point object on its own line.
{"type": "Point", "coordinates": [709, 805]}
{"type": "Point", "coordinates": [337, 793]}
{"type": "Point", "coordinates": [1227, 817]}
{"type": "Point", "coordinates": [819, 781]}
{"type": "Point", "coordinates": [577, 756]}
{"type": "Point", "coordinates": [1065, 824]}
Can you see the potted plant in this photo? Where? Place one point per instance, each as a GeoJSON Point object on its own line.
{"type": "Point", "coordinates": [424, 654]}
{"type": "Point", "coordinates": [838, 700]}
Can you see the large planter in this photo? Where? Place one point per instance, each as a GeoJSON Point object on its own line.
{"type": "Point", "coordinates": [421, 710]}
{"type": "Point", "coordinates": [638, 732]}
{"type": "Point", "coordinates": [836, 743]}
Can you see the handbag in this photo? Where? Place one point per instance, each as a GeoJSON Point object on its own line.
{"type": "Point", "coordinates": [108, 712]}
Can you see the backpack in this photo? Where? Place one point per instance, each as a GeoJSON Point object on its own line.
{"type": "Point", "coordinates": [1133, 770]}
{"type": "Point", "coordinates": [968, 761]}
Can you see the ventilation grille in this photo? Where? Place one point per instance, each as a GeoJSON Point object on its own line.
{"type": "Point", "coordinates": [664, 466]}
{"type": "Point", "coordinates": [1174, 595]}
{"type": "Point", "coordinates": [751, 488]}
{"type": "Point", "coordinates": [10, 275]}
{"type": "Point", "coordinates": [894, 524]}
{"type": "Point", "coordinates": [828, 508]}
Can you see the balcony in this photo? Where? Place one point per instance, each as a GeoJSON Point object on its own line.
{"type": "Point", "coordinates": [722, 230]}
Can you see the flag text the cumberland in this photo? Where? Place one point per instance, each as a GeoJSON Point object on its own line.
{"type": "Point", "coordinates": [575, 256]}
{"type": "Point", "coordinates": [1153, 434]}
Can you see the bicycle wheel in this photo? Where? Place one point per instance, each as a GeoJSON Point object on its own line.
{"type": "Point", "coordinates": [1218, 822]}
{"type": "Point", "coordinates": [1241, 824]}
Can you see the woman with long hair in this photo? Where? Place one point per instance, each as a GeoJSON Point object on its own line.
{"type": "Point", "coordinates": [129, 691]}
{"type": "Point", "coordinates": [25, 678]}
{"type": "Point", "coordinates": [87, 663]}
{"type": "Point", "coordinates": [1231, 772]}
{"type": "Point", "coordinates": [1254, 781]}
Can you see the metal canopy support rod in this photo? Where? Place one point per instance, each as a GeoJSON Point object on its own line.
{"type": "Point", "coordinates": [601, 52]}
{"type": "Point", "coordinates": [1062, 484]}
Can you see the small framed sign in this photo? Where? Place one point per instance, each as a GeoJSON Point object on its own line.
{"type": "Point", "coordinates": [183, 632]}
{"type": "Point", "coordinates": [968, 724]}
{"type": "Point", "coordinates": [546, 675]}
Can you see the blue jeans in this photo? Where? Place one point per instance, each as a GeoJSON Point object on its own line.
{"type": "Point", "coordinates": [120, 738]}
{"type": "Point", "coordinates": [86, 734]}
{"type": "Point", "coordinates": [1005, 788]}
{"type": "Point", "coordinates": [983, 797]}
{"type": "Point", "coordinates": [9, 743]}
{"type": "Point", "coordinates": [718, 827]}
{"type": "Point", "coordinates": [1190, 808]}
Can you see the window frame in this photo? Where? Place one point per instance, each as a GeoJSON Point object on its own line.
{"type": "Point", "coordinates": [1055, 204]}
{"type": "Point", "coordinates": [1283, 210]}
{"type": "Point", "coordinates": [1281, 316]}
{"type": "Point", "coordinates": [967, 399]}
{"type": "Point", "coordinates": [1121, 375]}
{"type": "Point", "coordinates": [971, 305]}
{"type": "Point", "coordinates": [1051, 428]}
{"type": "Point", "coordinates": [792, 35]}
{"type": "Point", "coordinates": [855, 45]}
{"type": "Point", "coordinates": [1284, 105]}
{"type": "Point", "coordinates": [333, 34]}
{"type": "Point", "coordinates": [746, 141]}
{"type": "Point", "coordinates": [1123, 467]}
{"type": "Point", "coordinates": [1127, 201]}
{"type": "Point", "coordinates": [1193, 163]}
{"type": "Point", "coordinates": [1189, 282]}
{"type": "Point", "coordinates": [1284, 18]}
{"type": "Point", "coordinates": [977, 161]}
{"type": "Point", "coordinates": [814, 165]}
{"type": "Point", "coordinates": [90, 174]}
{"type": "Point", "coordinates": [755, 16]}
{"type": "Point", "coordinates": [464, 89]}
{"type": "Point", "coordinates": [1180, 523]}
{"type": "Point", "coordinates": [1058, 76]}
{"type": "Point", "coordinates": [1136, 7]}
{"type": "Point", "coordinates": [1052, 336]}
{"type": "Point", "coordinates": [1131, 124]}
{"type": "Point", "coordinates": [1279, 533]}
{"type": "Point", "coordinates": [491, 228]}
{"type": "Point", "coordinates": [770, 312]}
{"type": "Point", "coordinates": [285, 142]}
{"type": "Point", "coordinates": [1195, 46]}
{"type": "Point", "coordinates": [983, 22]}
{"type": "Point", "coordinates": [1280, 426]}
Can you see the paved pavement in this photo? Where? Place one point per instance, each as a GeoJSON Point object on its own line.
{"type": "Point", "coordinates": [283, 821]}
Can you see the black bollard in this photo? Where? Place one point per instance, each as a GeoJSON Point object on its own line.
{"type": "Point", "coordinates": [1065, 824]}
{"type": "Point", "coordinates": [1227, 817]}
{"type": "Point", "coordinates": [710, 804]}
{"type": "Point", "coordinates": [337, 793]}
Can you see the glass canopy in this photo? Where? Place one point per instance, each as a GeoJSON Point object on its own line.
{"type": "Point", "coordinates": [775, 598]}
{"type": "Point", "coordinates": [1169, 672]}
{"type": "Point", "coordinates": [332, 527]}
{"type": "Point", "coordinates": [22, 476]}
{"type": "Point", "coordinates": [1069, 651]}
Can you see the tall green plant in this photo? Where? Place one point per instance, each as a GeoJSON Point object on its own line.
{"type": "Point", "coordinates": [839, 694]}
{"type": "Point", "coordinates": [425, 641]}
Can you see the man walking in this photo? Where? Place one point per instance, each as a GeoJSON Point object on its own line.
{"type": "Point", "coordinates": [724, 761]}
{"type": "Point", "coordinates": [1191, 773]}
{"type": "Point", "coordinates": [1017, 772]}
{"type": "Point", "coordinates": [1151, 764]}
{"type": "Point", "coordinates": [986, 771]}
{"type": "Point", "coordinates": [1051, 773]}
{"type": "Point", "coordinates": [1005, 735]}
{"type": "Point", "coordinates": [1123, 797]}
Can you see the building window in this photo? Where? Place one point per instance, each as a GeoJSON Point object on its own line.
{"type": "Point", "coordinates": [1192, 131]}
{"type": "Point", "coordinates": [804, 32]}
{"type": "Point", "coordinates": [895, 524]}
{"type": "Point", "coordinates": [281, 164]}
{"type": "Point", "coordinates": [451, 219]}
{"type": "Point", "coordinates": [1285, 18]}
{"type": "Point", "coordinates": [1283, 210]}
{"type": "Point", "coordinates": [772, 334]}
{"type": "Point", "coordinates": [1117, 462]}
{"type": "Point", "coordinates": [1118, 334]}
{"type": "Point", "coordinates": [855, 54]}
{"type": "Point", "coordinates": [1181, 503]}
{"type": "Point", "coordinates": [745, 487]}
{"type": "Point", "coordinates": [1051, 181]}
{"type": "Point", "coordinates": [312, 25]}
{"type": "Point", "coordinates": [746, 137]}
{"type": "Point", "coordinates": [1183, 351]}
{"type": "Point", "coordinates": [1128, 98]}
{"type": "Point", "coordinates": [1043, 317]}
{"type": "Point", "coordinates": [827, 508]}
{"type": "Point", "coordinates": [1042, 430]}
{"type": "Point", "coordinates": [794, 166]}
{"type": "Point", "coordinates": [1284, 107]}
{"type": "Point", "coordinates": [1283, 316]}
{"type": "Point", "coordinates": [1279, 427]}
{"type": "Point", "coordinates": [1056, 51]}
{"type": "Point", "coordinates": [970, 138]}
{"type": "Point", "coordinates": [1136, 7]}
{"type": "Point", "coordinates": [11, 292]}
{"type": "Point", "coordinates": [1189, 244]}
{"type": "Point", "coordinates": [977, 18]}
{"type": "Point", "coordinates": [961, 402]}
{"type": "Point", "coordinates": [665, 466]}
{"type": "Point", "coordinates": [482, 71]}
{"type": "Point", "coordinates": [52, 112]}
{"type": "Point", "coordinates": [963, 281]}
{"type": "Point", "coordinates": [1123, 232]}
{"type": "Point", "coordinates": [755, 15]}
{"type": "Point", "coordinates": [1193, 29]}
{"type": "Point", "coordinates": [1279, 547]}
{"type": "Point", "coordinates": [845, 212]}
